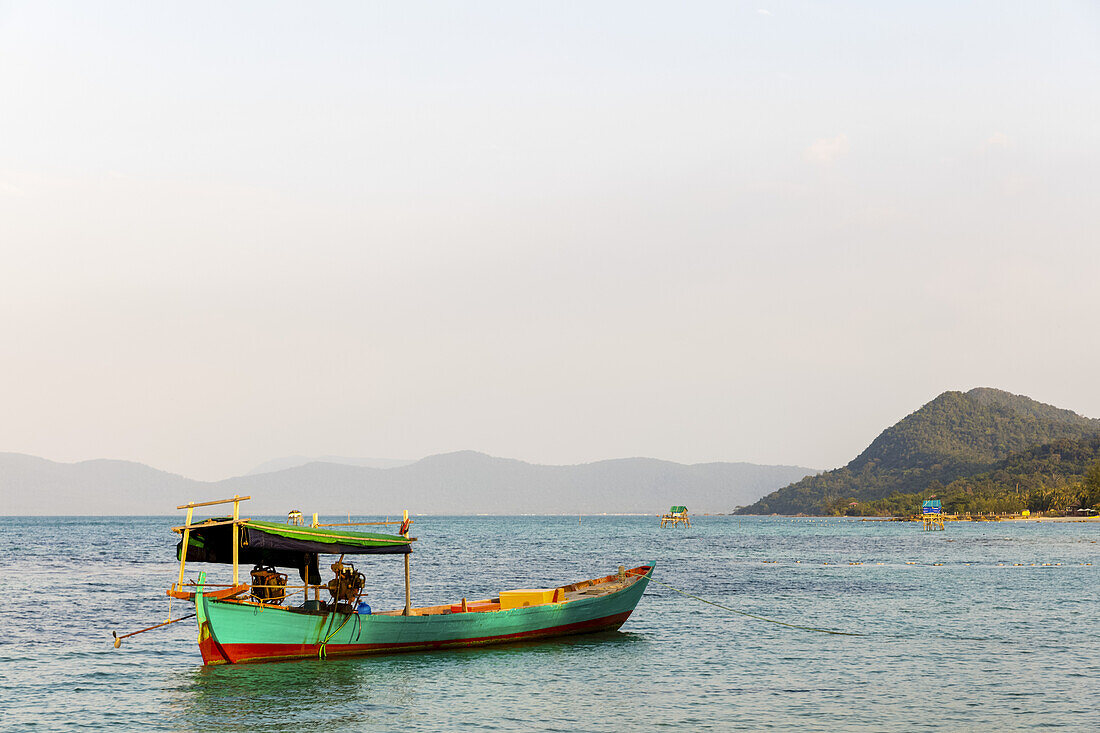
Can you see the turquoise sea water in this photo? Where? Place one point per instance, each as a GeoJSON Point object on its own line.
{"type": "Point", "coordinates": [957, 636]}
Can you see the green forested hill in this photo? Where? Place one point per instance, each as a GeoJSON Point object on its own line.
{"type": "Point", "coordinates": [955, 436]}
{"type": "Point", "coordinates": [1057, 476]}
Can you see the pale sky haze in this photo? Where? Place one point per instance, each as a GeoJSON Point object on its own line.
{"type": "Point", "coordinates": [558, 232]}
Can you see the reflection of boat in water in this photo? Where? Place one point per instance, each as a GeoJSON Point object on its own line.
{"type": "Point", "coordinates": [253, 622]}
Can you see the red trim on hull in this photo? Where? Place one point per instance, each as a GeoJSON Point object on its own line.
{"type": "Point", "coordinates": [244, 653]}
{"type": "Point", "coordinates": [211, 651]}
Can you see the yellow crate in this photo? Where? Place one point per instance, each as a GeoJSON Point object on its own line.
{"type": "Point", "coordinates": [526, 597]}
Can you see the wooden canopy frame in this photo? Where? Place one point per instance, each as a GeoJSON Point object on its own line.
{"type": "Point", "coordinates": [177, 589]}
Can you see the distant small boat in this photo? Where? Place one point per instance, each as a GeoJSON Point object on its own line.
{"type": "Point", "coordinates": [249, 622]}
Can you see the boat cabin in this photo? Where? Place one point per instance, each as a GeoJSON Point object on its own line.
{"type": "Point", "coordinates": [268, 546]}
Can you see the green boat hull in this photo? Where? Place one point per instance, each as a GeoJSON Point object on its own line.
{"type": "Point", "coordinates": [232, 632]}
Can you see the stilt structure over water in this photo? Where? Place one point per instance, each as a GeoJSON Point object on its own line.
{"type": "Point", "coordinates": [932, 514]}
{"type": "Point", "coordinates": [676, 515]}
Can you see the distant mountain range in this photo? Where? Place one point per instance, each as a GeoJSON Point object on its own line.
{"type": "Point", "coordinates": [454, 483]}
{"type": "Point", "coordinates": [983, 450]}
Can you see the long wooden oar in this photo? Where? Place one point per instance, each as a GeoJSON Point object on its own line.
{"type": "Point", "coordinates": [118, 639]}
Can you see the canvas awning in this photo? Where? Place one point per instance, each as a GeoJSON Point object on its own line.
{"type": "Point", "coordinates": [284, 545]}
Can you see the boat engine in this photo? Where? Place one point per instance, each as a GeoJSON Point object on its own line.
{"type": "Point", "coordinates": [268, 585]}
{"type": "Point", "coordinates": [347, 586]}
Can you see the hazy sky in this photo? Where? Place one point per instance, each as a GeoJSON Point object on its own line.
{"type": "Point", "coordinates": [558, 232]}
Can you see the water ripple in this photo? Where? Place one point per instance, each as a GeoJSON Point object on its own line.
{"type": "Point", "coordinates": [996, 624]}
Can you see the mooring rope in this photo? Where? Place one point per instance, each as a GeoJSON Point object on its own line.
{"type": "Point", "coordinates": [322, 653]}
{"type": "Point", "coordinates": [758, 618]}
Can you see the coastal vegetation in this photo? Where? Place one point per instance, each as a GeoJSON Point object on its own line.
{"type": "Point", "coordinates": [981, 451]}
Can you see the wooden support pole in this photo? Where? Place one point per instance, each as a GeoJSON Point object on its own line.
{"type": "Point", "coordinates": [236, 537]}
{"type": "Point", "coordinates": [408, 588]}
{"type": "Point", "coordinates": [183, 549]}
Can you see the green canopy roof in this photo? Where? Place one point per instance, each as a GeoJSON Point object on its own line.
{"type": "Point", "coordinates": [352, 543]}
{"type": "Point", "coordinates": [677, 510]}
{"type": "Point", "coordinates": [284, 545]}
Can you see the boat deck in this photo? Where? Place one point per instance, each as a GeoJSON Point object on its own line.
{"type": "Point", "coordinates": [574, 591]}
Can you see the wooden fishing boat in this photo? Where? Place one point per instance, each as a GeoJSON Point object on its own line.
{"type": "Point", "coordinates": [264, 620]}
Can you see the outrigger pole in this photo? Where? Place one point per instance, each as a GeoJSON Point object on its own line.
{"type": "Point", "coordinates": [118, 638]}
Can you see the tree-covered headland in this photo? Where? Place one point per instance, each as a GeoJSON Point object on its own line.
{"type": "Point", "coordinates": [980, 451]}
